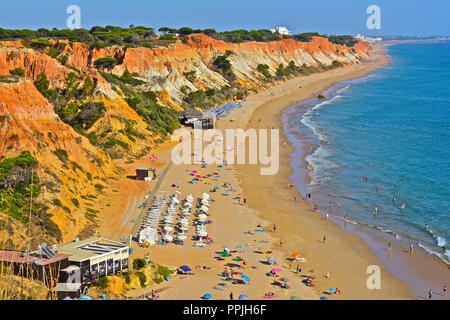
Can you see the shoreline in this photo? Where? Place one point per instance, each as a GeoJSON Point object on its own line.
{"type": "Point", "coordinates": [422, 270]}
{"type": "Point", "coordinates": [416, 265]}
{"type": "Point", "coordinates": [304, 229]}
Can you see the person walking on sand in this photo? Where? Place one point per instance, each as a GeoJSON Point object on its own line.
{"type": "Point", "coordinates": [231, 296]}
{"type": "Point", "coordinates": [324, 239]}
{"type": "Point", "coordinates": [445, 293]}
{"type": "Point", "coordinates": [430, 294]}
{"type": "Point", "coordinates": [327, 216]}
{"type": "Point", "coordinates": [411, 249]}
{"type": "Point", "coordinates": [274, 227]}
{"type": "Point", "coordinates": [339, 205]}
{"type": "Point", "coordinates": [281, 243]}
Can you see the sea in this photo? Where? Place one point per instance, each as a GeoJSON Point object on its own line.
{"type": "Point", "coordinates": [392, 127]}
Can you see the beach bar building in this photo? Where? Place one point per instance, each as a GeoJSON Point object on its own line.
{"type": "Point", "coordinates": [197, 119]}
{"type": "Point", "coordinates": [96, 256]}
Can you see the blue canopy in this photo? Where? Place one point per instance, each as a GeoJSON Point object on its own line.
{"type": "Point", "coordinates": [323, 298]}
{"type": "Point", "coordinates": [186, 268]}
{"type": "Point", "coordinates": [243, 297]}
{"type": "Point", "coordinates": [271, 259]}
{"type": "Point", "coordinates": [207, 296]}
{"type": "Point", "coordinates": [217, 188]}
{"type": "Point", "coordinates": [85, 298]}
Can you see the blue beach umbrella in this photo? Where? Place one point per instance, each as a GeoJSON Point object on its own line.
{"type": "Point", "coordinates": [85, 298]}
{"type": "Point", "coordinates": [323, 298]}
{"type": "Point", "coordinates": [217, 188]}
{"type": "Point", "coordinates": [207, 296]}
{"type": "Point", "coordinates": [271, 259]}
{"type": "Point", "coordinates": [240, 246]}
{"type": "Point", "coordinates": [243, 297]}
{"type": "Point", "coordinates": [246, 279]}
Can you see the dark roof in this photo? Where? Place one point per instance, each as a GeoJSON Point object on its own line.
{"type": "Point", "coordinates": [32, 257]}
{"type": "Point", "coordinates": [191, 114]}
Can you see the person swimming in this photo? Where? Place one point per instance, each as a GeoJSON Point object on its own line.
{"type": "Point", "coordinates": [403, 206]}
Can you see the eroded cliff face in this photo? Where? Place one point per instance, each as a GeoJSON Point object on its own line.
{"type": "Point", "coordinates": [28, 121]}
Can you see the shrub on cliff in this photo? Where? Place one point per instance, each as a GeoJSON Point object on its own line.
{"type": "Point", "coordinates": [264, 69]}
{"type": "Point", "coordinates": [42, 83]}
{"type": "Point", "coordinates": [40, 44]}
{"type": "Point", "coordinates": [18, 184]}
{"type": "Point", "coordinates": [17, 72]}
{"type": "Point", "coordinates": [105, 63]}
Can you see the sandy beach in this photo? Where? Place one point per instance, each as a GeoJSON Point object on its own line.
{"type": "Point", "coordinates": [269, 200]}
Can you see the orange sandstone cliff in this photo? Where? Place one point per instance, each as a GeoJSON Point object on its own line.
{"type": "Point", "coordinates": [28, 120]}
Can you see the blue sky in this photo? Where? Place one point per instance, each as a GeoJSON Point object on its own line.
{"type": "Point", "coordinates": [398, 17]}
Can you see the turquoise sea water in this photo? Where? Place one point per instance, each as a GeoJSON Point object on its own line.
{"type": "Point", "coordinates": [392, 126]}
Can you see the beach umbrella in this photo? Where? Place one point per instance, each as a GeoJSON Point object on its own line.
{"type": "Point", "coordinates": [225, 254]}
{"type": "Point", "coordinates": [226, 248]}
{"type": "Point", "coordinates": [207, 296]}
{"type": "Point", "coordinates": [331, 290]}
{"type": "Point", "coordinates": [295, 298]}
{"type": "Point", "coordinates": [85, 298]}
{"type": "Point", "coordinates": [195, 171]}
{"type": "Point", "coordinates": [239, 246]}
{"type": "Point", "coordinates": [283, 279]}
{"type": "Point", "coordinates": [168, 228]}
{"type": "Point", "coordinates": [228, 192]}
{"type": "Point", "coordinates": [182, 237]}
{"type": "Point", "coordinates": [295, 255]}
{"type": "Point", "coordinates": [243, 297]}
{"type": "Point", "coordinates": [271, 259]}
{"type": "Point", "coordinates": [186, 268]}
{"type": "Point", "coordinates": [67, 298]}
{"type": "Point", "coordinates": [323, 298]}
{"type": "Point", "coordinates": [198, 176]}
{"type": "Point", "coordinates": [276, 270]}
{"type": "Point", "coordinates": [217, 188]}
{"type": "Point", "coordinates": [246, 279]}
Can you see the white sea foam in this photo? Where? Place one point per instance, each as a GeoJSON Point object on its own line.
{"type": "Point", "coordinates": [444, 257]}
{"type": "Point", "coordinates": [440, 242]}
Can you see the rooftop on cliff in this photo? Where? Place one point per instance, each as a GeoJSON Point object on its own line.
{"type": "Point", "coordinates": [145, 36]}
